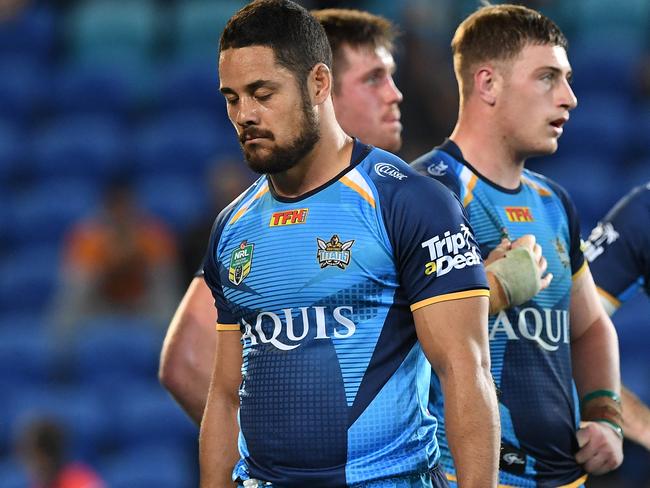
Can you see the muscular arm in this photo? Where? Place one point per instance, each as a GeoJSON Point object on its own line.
{"type": "Point", "coordinates": [454, 338]}
{"type": "Point", "coordinates": [218, 451]}
{"type": "Point", "coordinates": [188, 350]}
{"type": "Point", "coordinates": [636, 418]}
{"type": "Point", "coordinates": [594, 351]}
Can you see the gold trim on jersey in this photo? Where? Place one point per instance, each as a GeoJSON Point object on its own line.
{"type": "Point", "coordinates": [354, 186]}
{"type": "Point", "coordinates": [469, 184]}
{"type": "Point", "coordinates": [450, 296]}
{"type": "Point", "coordinates": [535, 186]}
{"type": "Point", "coordinates": [579, 273]}
{"type": "Point", "coordinates": [227, 327]}
{"type": "Point", "coordinates": [611, 299]}
{"type": "Point", "coordinates": [261, 192]}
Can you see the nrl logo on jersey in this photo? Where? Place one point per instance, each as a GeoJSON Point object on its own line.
{"type": "Point", "coordinates": [451, 251]}
{"type": "Point", "coordinates": [334, 252]}
{"type": "Point", "coordinates": [241, 260]}
{"type": "Point", "coordinates": [438, 169]}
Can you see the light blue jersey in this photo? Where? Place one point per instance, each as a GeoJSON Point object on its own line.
{"type": "Point", "coordinates": [530, 344]}
{"type": "Point", "coordinates": [322, 287]}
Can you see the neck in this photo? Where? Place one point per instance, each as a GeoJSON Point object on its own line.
{"type": "Point", "coordinates": [329, 156]}
{"type": "Point", "coordinates": [487, 148]}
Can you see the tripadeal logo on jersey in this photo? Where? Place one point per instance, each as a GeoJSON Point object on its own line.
{"type": "Point", "coordinates": [451, 251]}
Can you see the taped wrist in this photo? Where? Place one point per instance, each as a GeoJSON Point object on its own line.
{"type": "Point", "coordinates": [603, 406]}
{"type": "Point", "coordinates": [518, 275]}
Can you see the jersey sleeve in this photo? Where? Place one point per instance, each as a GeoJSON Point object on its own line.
{"type": "Point", "coordinates": [213, 270]}
{"type": "Point", "coordinates": [618, 248]}
{"type": "Point", "coordinates": [576, 255]}
{"type": "Point", "coordinates": [435, 251]}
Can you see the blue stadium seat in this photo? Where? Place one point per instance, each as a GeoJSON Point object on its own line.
{"type": "Point", "coordinates": [44, 211]}
{"type": "Point", "coordinates": [199, 25]}
{"type": "Point", "coordinates": [26, 357]}
{"type": "Point", "coordinates": [22, 89]}
{"type": "Point", "coordinates": [191, 85]}
{"type": "Point", "coordinates": [598, 127]}
{"type": "Point", "coordinates": [602, 18]}
{"type": "Point", "coordinates": [602, 64]}
{"type": "Point", "coordinates": [149, 466]}
{"type": "Point", "coordinates": [145, 414]}
{"type": "Point", "coordinates": [98, 32]}
{"type": "Point", "coordinates": [87, 147]}
{"type": "Point", "coordinates": [12, 474]}
{"type": "Point", "coordinates": [177, 200]}
{"type": "Point", "coordinates": [182, 142]}
{"type": "Point", "coordinates": [80, 411]}
{"type": "Point", "coordinates": [30, 33]}
{"type": "Point", "coordinates": [95, 88]}
{"type": "Point", "coordinates": [25, 320]}
{"type": "Point", "coordinates": [12, 152]}
{"type": "Point", "coordinates": [111, 349]}
{"type": "Point", "coordinates": [28, 278]}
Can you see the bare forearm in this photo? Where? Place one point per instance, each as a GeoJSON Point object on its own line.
{"type": "Point", "coordinates": [218, 452]}
{"type": "Point", "coordinates": [189, 349]}
{"type": "Point", "coordinates": [472, 423]}
{"type": "Point", "coordinates": [595, 359]}
{"type": "Point", "coordinates": [636, 418]}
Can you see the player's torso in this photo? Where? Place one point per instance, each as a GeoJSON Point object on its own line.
{"type": "Point", "coordinates": [315, 286]}
{"type": "Point", "coordinates": [530, 344]}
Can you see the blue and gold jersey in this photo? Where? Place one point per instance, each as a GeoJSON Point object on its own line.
{"type": "Point", "coordinates": [322, 288]}
{"type": "Point", "coordinates": [618, 249]}
{"type": "Point", "coordinates": [529, 344]}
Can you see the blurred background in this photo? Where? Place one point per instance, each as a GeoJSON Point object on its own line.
{"type": "Point", "coordinates": [116, 155]}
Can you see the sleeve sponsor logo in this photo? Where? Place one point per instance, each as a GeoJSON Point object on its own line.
{"type": "Point", "coordinates": [289, 217]}
{"type": "Point", "coordinates": [451, 251]}
{"type": "Point", "coordinates": [241, 261]}
{"type": "Point", "coordinates": [519, 214]}
{"type": "Point", "coordinates": [438, 169]}
{"type": "Point", "coordinates": [602, 236]}
{"type": "Point", "coordinates": [387, 169]}
{"type": "Point", "coordinates": [334, 253]}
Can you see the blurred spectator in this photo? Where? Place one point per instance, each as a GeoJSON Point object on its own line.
{"type": "Point", "coordinates": [119, 261]}
{"type": "Point", "coordinates": [226, 179]}
{"type": "Point", "coordinates": [42, 448]}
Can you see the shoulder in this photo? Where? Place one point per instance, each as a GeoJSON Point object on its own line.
{"type": "Point", "coordinates": [239, 205]}
{"type": "Point", "coordinates": [398, 182]}
{"type": "Point", "coordinates": [545, 186]}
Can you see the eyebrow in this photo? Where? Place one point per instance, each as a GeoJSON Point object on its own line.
{"type": "Point", "coordinates": [555, 70]}
{"type": "Point", "coordinates": [251, 87]}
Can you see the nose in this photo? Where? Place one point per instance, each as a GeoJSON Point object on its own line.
{"type": "Point", "coordinates": [568, 99]}
{"type": "Point", "coordinates": [245, 112]}
{"type": "Point", "coordinates": [392, 93]}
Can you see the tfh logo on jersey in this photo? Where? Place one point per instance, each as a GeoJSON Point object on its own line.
{"type": "Point", "coordinates": [602, 236]}
{"type": "Point", "coordinates": [387, 169]}
{"type": "Point", "coordinates": [519, 214]}
{"type": "Point", "coordinates": [451, 251]}
{"type": "Point", "coordinates": [284, 331]}
{"type": "Point", "coordinates": [241, 260]}
{"type": "Point", "coordinates": [334, 252]}
{"type": "Point", "coordinates": [289, 217]}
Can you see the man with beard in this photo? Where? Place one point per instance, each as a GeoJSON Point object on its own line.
{"type": "Point", "coordinates": [328, 308]}
{"type": "Point", "coordinates": [513, 75]}
{"type": "Point", "coordinates": [366, 103]}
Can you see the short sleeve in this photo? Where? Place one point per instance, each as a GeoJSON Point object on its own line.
{"type": "Point", "coordinates": [576, 255]}
{"type": "Point", "coordinates": [618, 247]}
{"type": "Point", "coordinates": [435, 251]}
{"type": "Point", "coordinates": [213, 271]}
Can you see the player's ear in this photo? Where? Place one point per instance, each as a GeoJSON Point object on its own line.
{"type": "Point", "coordinates": [320, 83]}
{"type": "Point", "coordinates": [487, 83]}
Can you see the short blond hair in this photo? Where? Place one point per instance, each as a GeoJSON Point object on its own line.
{"type": "Point", "coordinates": [499, 33]}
